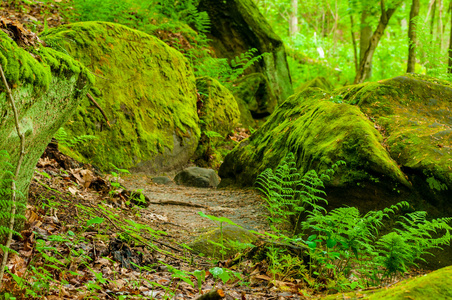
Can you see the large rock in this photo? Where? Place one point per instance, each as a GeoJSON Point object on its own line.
{"type": "Point", "coordinates": [147, 91]}
{"type": "Point", "coordinates": [47, 87]}
{"type": "Point", "coordinates": [395, 136]}
{"type": "Point", "coordinates": [197, 177]}
{"type": "Point", "coordinates": [238, 26]}
{"type": "Point", "coordinates": [218, 110]}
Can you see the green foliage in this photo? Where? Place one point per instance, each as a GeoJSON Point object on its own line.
{"type": "Point", "coordinates": [64, 139]}
{"type": "Point", "coordinates": [343, 239]}
{"type": "Point", "coordinates": [227, 72]}
{"type": "Point", "coordinates": [288, 193]}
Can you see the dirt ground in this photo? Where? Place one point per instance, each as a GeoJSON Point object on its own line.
{"type": "Point", "coordinates": [179, 206]}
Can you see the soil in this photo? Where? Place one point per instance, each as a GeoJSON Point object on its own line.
{"type": "Point", "coordinates": [244, 207]}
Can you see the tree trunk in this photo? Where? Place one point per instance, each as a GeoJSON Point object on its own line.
{"type": "Point", "coordinates": [293, 19]}
{"type": "Point", "coordinates": [364, 39]}
{"type": "Point", "coordinates": [449, 70]}
{"type": "Point", "coordinates": [355, 50]}
{"type": "Point", "coordinates": [366, 61]}
{"type": "Point", "coordinates": [412, 38]}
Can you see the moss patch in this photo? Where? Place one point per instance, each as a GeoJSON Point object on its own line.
{"type": "Point", "coordinates": [320, 133]}
{"type": "Point", "coordinates": [219, 115]}
{"type": "Point", "coordinates": [232, 236]}
{"type": "Point", "coordinates": [435, 285]}
{"type": "Point", "coordinates": [147, 91]}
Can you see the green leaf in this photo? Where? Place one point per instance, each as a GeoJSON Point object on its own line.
{"type": "Point", "coordinates": [96, 220]}
{"type": "Point", "coordinates": [330, 243]}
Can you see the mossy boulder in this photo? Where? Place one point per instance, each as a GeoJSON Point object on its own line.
{"type": "Point", "coordinates": [235, 239]}
{"type": "Point", "coordinates": [47, 86]}
{"type": "Point", "coordinates": [218, 110]}
{"type": "Point", "coordinates": [147, 91]}
{"type": "Point", "coordinates": [238, 26]}
{"type": "Point", "coordinates": [436, 285]}
{"type": "Point", "coordinates": [395, 136]}
{"type": "Point", "coordinates": [318, 82]}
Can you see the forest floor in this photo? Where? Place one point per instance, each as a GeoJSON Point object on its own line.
{"type": "Point", "coordinates": [82, 237]}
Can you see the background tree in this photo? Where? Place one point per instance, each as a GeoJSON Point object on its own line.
{"type": "Point", "coordinates": [412, 39]}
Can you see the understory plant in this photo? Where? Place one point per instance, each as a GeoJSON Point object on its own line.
{"type": "Point", "coordinates": [343, 240]}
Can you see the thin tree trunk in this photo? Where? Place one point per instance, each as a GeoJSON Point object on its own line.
{"type": "Point", "coordinates": [412, 38]}
{"type": "Point", "coordinates": [449, 70]}
{"type": "Point", "coordinates": [293, 19]}
{"type": "Point", "coordinates": [365, 37]}
{"type": "Point", "coordinates": [366, 61]}
{"type": "Point", "coordinates": [355, 50]}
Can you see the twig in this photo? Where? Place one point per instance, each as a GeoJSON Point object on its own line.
{"type": "Point", "coordinates": [16, 174]}
{"type": "Point", "coordinates": [100, 108]}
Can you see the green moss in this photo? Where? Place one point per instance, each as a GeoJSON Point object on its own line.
{"type": "Point", "coordinates": [398, 129]}
{"type": "Point", "coordinates": [207, 243]}
{"type": "Point", "coordinates": [320, 133]}
{"type": "Point", "coordinates": [36, 67]}
{"type": "Point", "coordinates": [47, 87]}
{"type": "Point", "coordinates": [219, 111]}
{"type": "Point", "coordinates": [318, 82]}
{"type": "Point", "coordinates": [435, 285]}
{"type": "Point", "coordinates": [146, 89]}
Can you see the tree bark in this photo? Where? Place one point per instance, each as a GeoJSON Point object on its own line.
{"type": "Point", "coordinates": [412, 38]}
{"type": "Point", "coordinates": [364, 39]}
{"type": "Point", "coordinates": [293, 19]}
{"type": "Point", "coordinates": [366, 60]}
{"type": "Point", "coordinates": [449, 70]}
{"type": "Point", "coordinates": [355, 50]}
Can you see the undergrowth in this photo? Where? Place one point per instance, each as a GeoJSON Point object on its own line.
{"type": "Point", "coordinates": [343, 243]}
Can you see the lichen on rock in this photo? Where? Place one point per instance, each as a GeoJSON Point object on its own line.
{"type": "Point", "coordinates": [147, 91]}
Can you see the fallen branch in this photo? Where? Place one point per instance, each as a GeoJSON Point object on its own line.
{"type": "Point", "coordinates": [98, 106]}
{"type": "Point", "coordinates": [212, 295]}
{"type": "Point", "coordinates": [16, 174]}
{"type": "Point", "coordinates": [181, 203]}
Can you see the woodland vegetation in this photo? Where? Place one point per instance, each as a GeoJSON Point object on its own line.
{"type": "Point", "coordinates": [308, 251]}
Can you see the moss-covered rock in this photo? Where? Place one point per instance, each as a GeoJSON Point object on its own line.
{"type": "Point", "coordinates": [147, 91]}
{"type": "Point", "coordinates": [395, 136]}
{"type": "Point", "coordinates": [318, 82]}
{"type": "Point", "coordinates": [235, 239]}
{"type": "Point", "coordinates": [218, 111]}
{"type": "Point", "coordinates": [436, 285]}
{"type": "Point", "coordinates": [238, 26]}
{"type": "Point", "coordinates": [47, 87]}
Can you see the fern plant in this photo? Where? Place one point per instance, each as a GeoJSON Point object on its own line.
{"type": "Point", "coordinates": [227, 71]}
{"type": "Point", "coordinates": [64, 139]}
{"type": "Point", "coordinates": [288, 193]}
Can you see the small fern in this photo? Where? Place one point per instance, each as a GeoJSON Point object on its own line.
{"type": "Point", "coordinates": [227, 72]}
{"type": "Point", "coordinates": [290, 194]}
{"type": "Point", "coordinates": [64, 139]}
